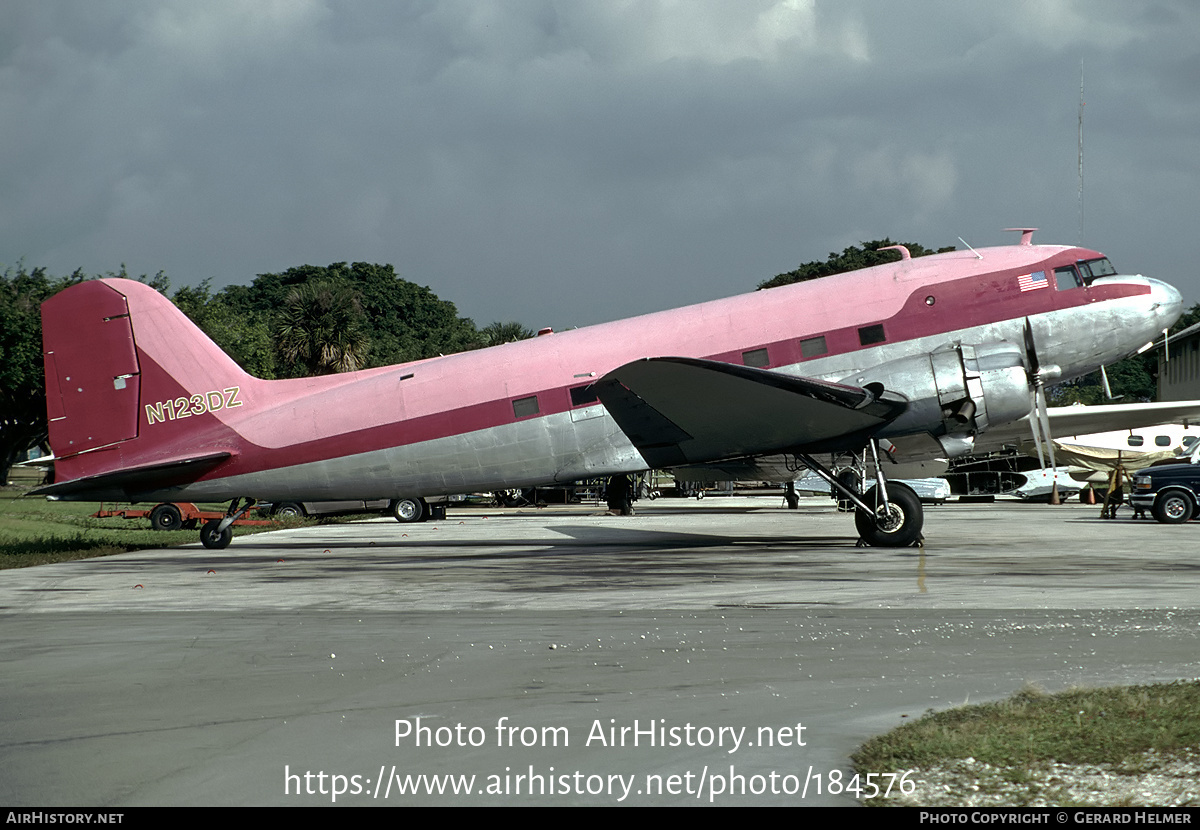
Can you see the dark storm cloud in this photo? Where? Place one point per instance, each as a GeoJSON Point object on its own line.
{"type": "Point", "coordinates": [564, 163]}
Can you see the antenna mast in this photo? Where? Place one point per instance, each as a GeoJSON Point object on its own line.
{"type": "Point", "coordinates": [1080, 151]}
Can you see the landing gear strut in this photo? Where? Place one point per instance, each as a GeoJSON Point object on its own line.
{"type": "Point", "coordinates": [888, 515]}
{"type": "Point", "coordinates": [216, 534]}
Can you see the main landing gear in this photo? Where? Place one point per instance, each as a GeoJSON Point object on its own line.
{"type": "Point", "coordinates": [889, 515]}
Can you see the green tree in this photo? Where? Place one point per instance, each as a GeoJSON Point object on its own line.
{"type": "Point", "coordinates": [244, 336]}
{"type": "Point", "coordinates": [22, 380]}
{"type": "Point", "coordinates": [403, 321]}
{"type": "Point", "coordinates": [850, 259]}
{"type": "Point", "coordinates": [495, 334]}
{"type": "Point", "coordinates": [320, 329]}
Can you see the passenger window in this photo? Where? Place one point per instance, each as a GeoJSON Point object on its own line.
{"type": "Point", "coordinates": [1135, 440]}
{"type": "Point", "coordinates": [813, 347]}
{"type": "Point", "coordinates": [1162, 440]}
{"type": "Point", "coordinates": [755, 357]}
{"type": "Point", "coordinates": [581, 395]}
{"type": "Point", "coordinates": [524, 407]}
{"type": "Point", "coordinates": [869, 335]}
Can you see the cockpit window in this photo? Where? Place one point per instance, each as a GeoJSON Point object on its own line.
{"type": "Point", "coordinates": [1093, 268]}
{"type": "Point", "coordinates": [1067, 277]}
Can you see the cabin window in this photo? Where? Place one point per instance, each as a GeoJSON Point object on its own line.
{"type": "Point", "coordinates": [813, 347]}
{"type": "Point", "coordinates": [581, 395]}
{"type": "Point", "coordinates": [1135, 440]}
{"type": "Point", "coordinates": [1066, 278]}
{"type": "Point", "coordinates": [755, 357]}
{"type": "Point", "coordinates": [869, 335]}
{"type": "Point", "coordinates": [524, 407]}
{"type": "Point", "coordinates": [1189, 441]}
{"type": "Point", "coordinates": [1162, 440]}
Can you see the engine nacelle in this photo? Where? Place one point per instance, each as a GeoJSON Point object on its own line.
{"type": "Point", "coordinates": [956, 391]}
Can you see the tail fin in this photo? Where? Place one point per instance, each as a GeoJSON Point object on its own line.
{"type": "Point", "coordinates": [134, 390]}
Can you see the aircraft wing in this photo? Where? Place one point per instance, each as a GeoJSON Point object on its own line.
{"type": "Point", "coordinates": [1084, 420]}
{"type": "Point", "coordinates": [678, 411]}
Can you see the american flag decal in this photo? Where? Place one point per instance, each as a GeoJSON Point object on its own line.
{"type": "Point", "coordinates": [1030, 282]}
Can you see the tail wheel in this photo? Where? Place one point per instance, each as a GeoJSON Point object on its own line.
{"type": "Point", "coordinates": [1173, 508]}
{"type": "Point", "coordinates": [215, 539]}
{"type": "Point", "coordinates": [897, 527]}
{"type": "Point", "coordinates": [166, 517]}
{"type": "Point", "coordinates": [408, 510]}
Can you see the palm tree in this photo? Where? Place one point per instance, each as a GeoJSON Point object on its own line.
{"type": "Point", "coordinates": [494, 334]}
{"type": "Point", "coordinates": [320, 329]}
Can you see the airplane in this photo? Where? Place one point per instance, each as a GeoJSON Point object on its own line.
{"type": "Point", "coordinates": [907, 360]}
{"type": "Point", "coordinates": [1107, 460]}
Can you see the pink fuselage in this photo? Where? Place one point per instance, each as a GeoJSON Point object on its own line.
{"type": "Point", "coordinates": [505, 417]}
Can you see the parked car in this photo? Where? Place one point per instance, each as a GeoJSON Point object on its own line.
{"type": "Point", "coordinates": [1168, 491]}
{"type": "Point", "coordinates": [403, 510]}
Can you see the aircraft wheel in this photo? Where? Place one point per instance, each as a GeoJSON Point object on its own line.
{"type": "Point", "coordinates": [214, 539]}
{"type": "Point", "coordinates": [166, 517]}
{"type": "Point", "coordinates": [902, 524]}
{"type": "Point", "coordinates": [408, 510]}
{"type": "Point", "coordinates": [1173, 508]}
{"type": "Point", "coordinates": [289, 510]}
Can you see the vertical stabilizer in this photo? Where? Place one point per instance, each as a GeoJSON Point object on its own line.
{"type": "Point", "coordinates": [132, 383]}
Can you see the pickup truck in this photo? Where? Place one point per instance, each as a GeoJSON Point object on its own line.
{"type": "Point", "coordinates": [1170, 491]}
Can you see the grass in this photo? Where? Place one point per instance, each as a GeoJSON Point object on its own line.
{"type": "Point", "coordinates": [35, 531]}
{"type": "Point", "coordinates": [1117, 727]}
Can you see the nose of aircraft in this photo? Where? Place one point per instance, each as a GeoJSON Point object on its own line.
{"type": "Point", "coordinates": [1166, 302]}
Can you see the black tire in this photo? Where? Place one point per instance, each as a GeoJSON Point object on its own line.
{"type": "Point", "coordinates": [1173, 508]}
{"type": "Point", "coordinates": [213, 539]}
{"type": "Point", "coordinates": [901, 528]}
{"type": "Point", "coordinates": [166, 517]}
{"type": "Point", "coordinates": [289, 510]}
{"type": "Point", "coordinates": [407, 511]}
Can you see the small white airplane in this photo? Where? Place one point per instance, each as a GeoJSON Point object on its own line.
{"type": "Point", "coordinates": [1094, 457]}
{"type": "Point", "coordinates": [910, 360]}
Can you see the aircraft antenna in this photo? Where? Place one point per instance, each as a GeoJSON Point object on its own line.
{"type": "Point", "coordinates": [1081, 105]}
{"type": "Point", "coordinates": [977, 254]}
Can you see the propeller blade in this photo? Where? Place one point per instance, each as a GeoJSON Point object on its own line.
{"type": "Point", "coordinates": [1031, 349]}
{"type": "Point", "coordinates": [1044, 422]}
{"type": "Point", "coordinates": [1034, 426]}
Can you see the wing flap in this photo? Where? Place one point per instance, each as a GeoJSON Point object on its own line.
{"type": "Point", "coordinates": [679, 410]}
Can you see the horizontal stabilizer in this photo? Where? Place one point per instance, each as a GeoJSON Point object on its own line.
{"type": "Point", "coordinates": [127, 484]}
{"type": "Point", "coordinates": [679, 410]}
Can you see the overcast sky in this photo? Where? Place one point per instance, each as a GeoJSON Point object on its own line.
{"type": "Point", "coordinates": [565, 163]}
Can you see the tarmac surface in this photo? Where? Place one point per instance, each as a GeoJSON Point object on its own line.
{"type": "Point", "coordinates": [722, 651]}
